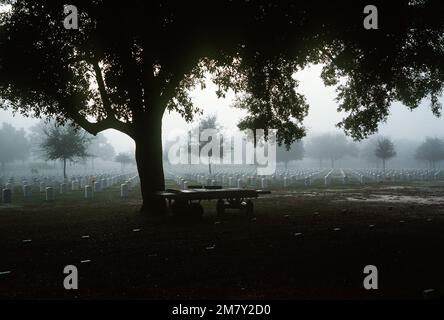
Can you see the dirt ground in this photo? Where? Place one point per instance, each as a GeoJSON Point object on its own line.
{"type": "Point", "coordinates": [301, 244]}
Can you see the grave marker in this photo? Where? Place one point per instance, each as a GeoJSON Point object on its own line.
{"type": "Point", "coordinates": [27, 191]}
{"type": "Point", "coordinates": [89, 194]}
{"type": "Point", "coordinates": [7, 195]}
{"type": "Point", "coordinates": [50, 194]}
{"type": "Point", "coordinates": [124, 192]}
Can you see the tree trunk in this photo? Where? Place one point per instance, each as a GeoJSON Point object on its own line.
{"type": "Point", "coordinates": [383, 166]}
{"type": "Point", "coordinates": [64, 168]}
{"type": "Point", "coordinates": [209, 165]}
{"type": "Point", "coordinates": [148, 139]}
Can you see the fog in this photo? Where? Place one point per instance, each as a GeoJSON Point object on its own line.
{"type": "Point", "coordinates": [403, 125]}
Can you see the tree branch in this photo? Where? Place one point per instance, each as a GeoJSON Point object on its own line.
{"type": "Point", "coordinates": [102, 89]}
{"type": "Point", "coordinates": [95, 127]}
{"type": "Point", "coordinates": [174, 80]}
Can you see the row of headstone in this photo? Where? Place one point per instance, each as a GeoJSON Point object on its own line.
{"type": "Point", "coordinates": [247, 177]}
{"type": "Point", "coordinates": [89, 185]}
{"type": "Point", "coordinates": [395, 175]}
{"type": "Point", "coordinates": [243, 180]}
{"type": "Point", "coordinates": [327, 178]}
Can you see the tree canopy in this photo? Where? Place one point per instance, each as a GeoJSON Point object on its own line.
{"type": "Point", "coordinates": [384, 150]}
{"type": "Point", "coordinates": [157, 50]}
{"type": "Point", "coordinates": [14, 144]}
{"type": "Point", "coordinates": [367, 150]}
{"type": "Point", "coordinates": [99, 147]}
{"type": "Point", "coordinates": [64, 143]}
{"type": "Point", "coordinates": [431, 150]}
{"type": "Point", "coordinates": [294, 152]}
{"type": "Point", "coordinates": [124, 159]}
{"type": "Point", "coordinates": [332, 147]}
{"type": "Point", "coordinates": [126, 64]}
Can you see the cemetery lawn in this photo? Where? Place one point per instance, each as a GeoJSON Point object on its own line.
{"type": "Point", "coordinates": [289, 250]}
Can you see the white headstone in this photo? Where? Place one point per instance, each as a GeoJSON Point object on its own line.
{"type": "Point", "coordinates": [264, 183]}
{"type": "Point", "coordinates": [326, 180]}
{"type": "Point", "coordinates": [75, 185]}
{"type": "Point", "coordinates": [27, 191]}
{"type": "Point", "coordinates": [7, 195]}
{"type": "Point", "coordinates": [49, 194]}
{"type": "Point", "coordinates": [124, 192]}
{"type": "Point", "coordinates": [97, 187]}
{"type": "Point", "coordinates": [89, 194]}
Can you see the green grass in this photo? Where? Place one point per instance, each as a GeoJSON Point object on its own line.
{"type": "Point", "coordinates": [252, 258]}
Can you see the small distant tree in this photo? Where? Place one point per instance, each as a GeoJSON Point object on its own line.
{"type": "Point", "coordinates": [294, 152]}
{"type": "Point", "coordinates": [13, 145]}
{"type": "Point", "coordinates": [124, 159]}
{"type": "Point", "coordinates": [385, 149]}
{"type": "Point", "coordinates": [431, 150]}
{"type": "Point", "coordinates": [100, 148]}
{"type": "Point", "coordinates": [367, 151]}
{"type": "Point", "coordinates": [332, 147]}
{"type": "Point", "coordinates": [209, 122]}
{"type": "Point", "coordinates": [64, 143]}
{"type": "Point", "coordinates": [36, 138]}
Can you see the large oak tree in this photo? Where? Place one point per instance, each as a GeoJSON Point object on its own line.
{"type": "Point", "coordinates": [130, 61]}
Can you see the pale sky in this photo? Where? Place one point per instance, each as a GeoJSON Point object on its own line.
{"type": "Point", "coordinates": [322, 117]}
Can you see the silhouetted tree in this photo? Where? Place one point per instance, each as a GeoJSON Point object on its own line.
{"type": "Point", "coordinates": [332, 147]}
{"type": "Point", "coordinates": [36, 138]}
{"type": "Point", "coordinates": [210, 122]}
{"type": "Point", "coordinates": [124, 159]}
{"type": "Point", "coordinates": [367, 151]}
{"type": "Point", "coordinates": [431, 150]}
{"type": "Point", "coordinates": [385, 149]}
{"type": "Point", "coordinates": [124, 73]}
{"type": "Point", "coordinates": [294, 152]}
{"type": "Point", "coordinates": [64, 143]}
{"type": "Point", "coordinates": [100, 148]}
{"type": "Point", "coordinates": [13, 145]}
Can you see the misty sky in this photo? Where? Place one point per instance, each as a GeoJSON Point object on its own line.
{"type": "Point", "coordinates": [402, 123]}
